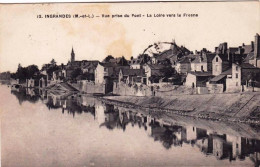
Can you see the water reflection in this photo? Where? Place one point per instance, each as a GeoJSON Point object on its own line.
{"type": "Point", "coordinates": [26, 94]}
{"type": "Point", "coordinates": [210, 143]}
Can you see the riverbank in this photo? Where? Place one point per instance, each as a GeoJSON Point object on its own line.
{"type": "Point", "coordinates": [235, 107]}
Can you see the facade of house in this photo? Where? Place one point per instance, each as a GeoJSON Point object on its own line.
{"type": "Point", "coordinates": [242, 75]}
{"type": "Point", "coordinates": [234, 83]}
{"type": "Point", "coordinates": [197, 79]}
{"type": "Point", "coordinates": [107, 73]}
{"type": "Point", "coordinates": [89, 66]}
{"type": "Point", "coordinates": [43, 82]}
{"type": "Point", "coordinates": [58, 75]}
{"type": "Point", "coordinates": [199, 63]}
{"type": "Point", "coordinates": [137, 63]}
{"type": "Point", "coordinates": [34, 81]}
{"type": "Point", "coordinates": [100, 73]}
{"type": "Point", "coordinates": [131, 76]}
{"type": "Point", "coordinates": [183, 66]}
{"type": "Point", "coordinates": [217, 84]}
{"type": "Point", "coordinates": [219, 64]}
{"type": "Point", "coordinates": [153, 73]}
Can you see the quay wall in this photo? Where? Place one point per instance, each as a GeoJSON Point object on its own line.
{"type": "Point", "coordinates": [90, 87]}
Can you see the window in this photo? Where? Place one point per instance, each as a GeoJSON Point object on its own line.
{"type": "Point", "coordinates": [236, 68]}
{"type": "Point", "coordinates": [216, 59]}
{"type": "Point", "coordinates": [236, 83]}
{"type": "Point", "coordinates": [202, 68]}
{"type": "Point", "coordinates": [236, 75]}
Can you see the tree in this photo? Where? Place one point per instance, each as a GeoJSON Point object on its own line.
{"type": "Point", "coordinates": [53, 62]}
{"type": "Point", "coordinates": [75, 73]}
{"type": "Point", "coordinates": [123, 61]}
{"type": "Point", "coordinates": [5, 75]}
{"type": "Point", "coordinates": [168, 71]}
{"type": "Point", "coordinates": [24, 73]}
{"type": "Point", "coordinates": [51, 69]}
{"type": "Point", "coordinates": [108, 58]}
{"type": "Point", "coordinates": [20, 73]}
{"type": "Point", "coordinates": [31, 70]}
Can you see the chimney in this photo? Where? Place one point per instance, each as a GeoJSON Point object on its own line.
{"type": "Point", "coordinates": [224, 48]}
{"type": "Point", "coordinates": [252, 45]}
{"type": "Point", "coordinates": [201, 58]}
{"type": "Point", "coordinates": [257, 48]}
{"type": "Point", "coordinates": [216, 48]}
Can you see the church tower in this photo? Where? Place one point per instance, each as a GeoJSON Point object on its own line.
{"type": "Point", "coordinates": [72, 56]}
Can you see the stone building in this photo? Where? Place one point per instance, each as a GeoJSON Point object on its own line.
{"type": "Point", "coordinates": [242, 74]}
{"type": "Point", "coordinates": [219, 64]}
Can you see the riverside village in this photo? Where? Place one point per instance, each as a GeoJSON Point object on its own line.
{"type": "Point", "coordinates": [223, 82]}
{"type": "Point", "coordinates": [180, 98]}
{"type": "Point", "coordinates": [176, 70]}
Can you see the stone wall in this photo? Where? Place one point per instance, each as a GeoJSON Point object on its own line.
{"type": "Point", "coordinates": [124, 89]}
{"type": "Point", "coordinates": [155, 90]}
{"type": "Point", "coordinates": [215, 88]}
{"type": "Point", "coordinates": [202, 90]}
{"type": "Point", "coordinates": [90, 87]}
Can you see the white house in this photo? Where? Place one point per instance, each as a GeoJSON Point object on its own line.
{"type": "Point", "coordinates": [219, 64]}
{"type": "Point", "coordinates": [234, 83]}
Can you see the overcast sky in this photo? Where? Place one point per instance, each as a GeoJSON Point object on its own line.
{"type": "Point", "coordinates": [28, 40]}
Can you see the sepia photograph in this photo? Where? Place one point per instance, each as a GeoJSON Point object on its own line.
{"type": "Point", "coordinates": [130, 84]}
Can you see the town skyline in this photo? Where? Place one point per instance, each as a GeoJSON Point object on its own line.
{"type": "Point", "coordinates": [40, 64]}
{"type": "Point", "coordinates": [37, 41]}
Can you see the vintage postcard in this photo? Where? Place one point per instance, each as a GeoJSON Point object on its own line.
{"type": "Point", "coordinates": [130, 84]}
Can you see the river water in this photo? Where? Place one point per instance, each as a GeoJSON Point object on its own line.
{"type": "Point", "coordinates": [40, 130]}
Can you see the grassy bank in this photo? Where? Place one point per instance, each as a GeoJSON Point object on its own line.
{"type": "Point", "coordinates": [238, 107]}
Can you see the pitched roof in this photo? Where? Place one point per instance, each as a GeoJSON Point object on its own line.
{"type": "Point", "coordinates": [108, 64]}
{"type": "Point", "coordinates": [247, 49]}
{"type": "Point", "coordinates": [173, 52]}
{"type": "Point", "coordinates": [232, 49]}
{"type": "Point", "coordinates": [163, 55]}
{"type": "Point", "coordinates": [185, 59]}
{"type": "Point", "coordinates": [223, 57]}
{"type": "Point", "coordinates": [157, 73]}
{"type": "Point", "coordinates": [133, 72]}
{"type": "Point", "coordinates": [210, 57]}
{"type": "Point", "coordinates": [217, 78]}
{"type": "Point", "coordinates": [247, 66]}
{"type": "Point", "coordinates": [141, 59]}
{"type": "Point", "coordinates": [156, 66]}
{"type": "Point", "coordinates": [200, 59]}
{"type": "Point", "coordinates": [201, 74]}
{"type": "Point", "coordinates": [249, 56]}
{"type": "Point", "coordinates": [90, 64]}
{"type": "Point", "coordinates": [227, 72]}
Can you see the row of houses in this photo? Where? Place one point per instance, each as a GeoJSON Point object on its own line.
{"type": "Point", "coordinates": [227, 69]}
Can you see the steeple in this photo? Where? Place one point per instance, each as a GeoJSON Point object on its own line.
{"type": "Point", "coordinates": [72, 55]}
